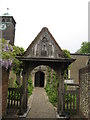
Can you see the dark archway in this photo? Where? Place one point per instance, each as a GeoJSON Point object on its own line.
{"type": "Point", "coordinates": [39, 79]}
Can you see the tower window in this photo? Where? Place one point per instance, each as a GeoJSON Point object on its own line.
{"type": "Point", "coordinates": [3, 20]}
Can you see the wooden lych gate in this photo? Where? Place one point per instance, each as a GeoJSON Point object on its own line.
{"type": "Point", "coordinates": [44, 50]}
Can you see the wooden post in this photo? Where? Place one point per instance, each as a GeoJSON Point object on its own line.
{"type": "Point", "coordinates": [24, 92]}
{"type": "Point", "coordinates": [24, 100]}
{"type": "Point", "coordinates": [59, 92]}
{"type": "Point", "coordinates": [18, 78]}
{"type": "Point", "coordinates": [60, 106]}
{"type": "Point", "coordinates": [62, 95]}
{"type": "Point", "coordinates": [77, 100]}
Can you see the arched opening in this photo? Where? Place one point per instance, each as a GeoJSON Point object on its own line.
{"type": "Point", "coordinates": [43, 70]}
{"type": "Point", "coordinates": [47, 77]}
{"type": "Point", "coordinates": [39, 79]}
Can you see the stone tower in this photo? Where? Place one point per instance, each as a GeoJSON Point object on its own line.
{"type": "Point", "coordinates": [7, 27]}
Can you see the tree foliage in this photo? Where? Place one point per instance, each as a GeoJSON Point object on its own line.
{"type": "Point", "coordinates": [18, 51]}
{"type": "Point", "coordinates": [85, 48]}
{"type": "Point", "coordinates": [17, 64]}
{"type": "Point", "coordinates": [66, 53]}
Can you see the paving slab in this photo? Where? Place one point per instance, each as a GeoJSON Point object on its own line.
{"type": "Point", "coordinates": [41, 107]}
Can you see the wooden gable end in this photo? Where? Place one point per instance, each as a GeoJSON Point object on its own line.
{"type": "Point", "coordinates": [44, 46]}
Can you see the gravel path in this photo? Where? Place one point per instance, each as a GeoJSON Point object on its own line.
{"type": "Point", "coordinates": [41, 107]}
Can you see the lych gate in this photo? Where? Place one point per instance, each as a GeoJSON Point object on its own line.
{"type": "Point", "coordinates": [44, 51]}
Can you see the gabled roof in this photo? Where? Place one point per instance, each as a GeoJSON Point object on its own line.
{"type": "Point", "coordinates": [41, 33]}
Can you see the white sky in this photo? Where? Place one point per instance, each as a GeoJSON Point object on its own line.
{"type": "Point", "coordinates": [67, 20]}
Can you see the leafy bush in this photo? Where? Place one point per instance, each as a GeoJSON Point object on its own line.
{"type": "Point", "coordinates": [66, 53]}
{"type": "Point", "coordinates": [17, 85]}
{"type": "Point", "coordinates": [30, 86]}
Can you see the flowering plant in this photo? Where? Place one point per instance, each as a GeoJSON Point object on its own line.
{"type": "Point", "coordinates": [6, 53]}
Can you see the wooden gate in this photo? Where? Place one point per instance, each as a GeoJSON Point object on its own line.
{"type": "Point", "coordinates": [71, 99]}
{"type": "Point", "coordinates": [14, 98]}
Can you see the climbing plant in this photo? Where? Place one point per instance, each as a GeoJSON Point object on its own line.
{"type": "Point", "coordinates": [51, 86]}
{"type": "Point", "coordinates": [6, 54]}
{"type": "Point", "coordinates": [30, 86]}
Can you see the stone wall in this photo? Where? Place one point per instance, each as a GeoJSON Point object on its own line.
{"type": "Point", "coordinates": [84, 82]}
{"type": "Point", "coordinates": [81, 61]}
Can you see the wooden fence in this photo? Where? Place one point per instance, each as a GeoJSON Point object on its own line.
{"type": "Point", "coordinates": [14, 98]}
{"type": "Point", "coordinates": [71, 99]}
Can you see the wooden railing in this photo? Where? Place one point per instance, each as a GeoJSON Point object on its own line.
{"type": "Point", "coordinates": [71, 99]}
{"type": "Point", "coordinates": [14, 97]}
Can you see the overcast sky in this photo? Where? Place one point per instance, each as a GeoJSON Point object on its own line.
{"type": "Point", "coordinates": [67, 20]}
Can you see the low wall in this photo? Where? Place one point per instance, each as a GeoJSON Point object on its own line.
{"type": "Point", "coordinates": [84, 83]}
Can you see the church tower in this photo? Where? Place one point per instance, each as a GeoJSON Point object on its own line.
{"type": "Point", "coordinates": [7, 27]}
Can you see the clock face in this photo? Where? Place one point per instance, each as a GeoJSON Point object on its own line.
{"type": "Point", "coordinates": [3, 26]}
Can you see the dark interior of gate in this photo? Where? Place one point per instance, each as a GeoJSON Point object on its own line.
{"type": "Point", "coordinates": [39, 79]}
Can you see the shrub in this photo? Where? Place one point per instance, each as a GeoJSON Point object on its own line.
{"type": "Point", "coordinates": [30, 86]}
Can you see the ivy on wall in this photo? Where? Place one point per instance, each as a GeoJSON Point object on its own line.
{"type": "Point", "coordinates": [52, 86]}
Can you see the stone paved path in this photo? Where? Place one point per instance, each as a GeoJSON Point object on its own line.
{"type": "Point", "coordinates": [41, 107]}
